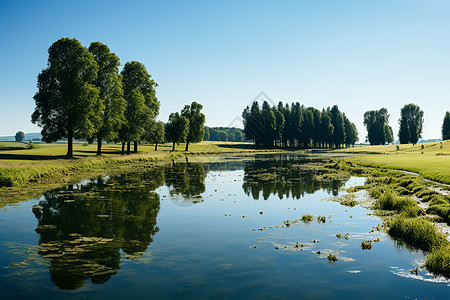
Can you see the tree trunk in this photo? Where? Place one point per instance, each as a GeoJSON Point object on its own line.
{"type": "Point", "coordinates": [187, 146]}
{"type": "Point", "coordinates": [135, 146]}
{"type": "Point", "coordinates": [156, 146]}
{"type": "Point", "coordinates": [69, 143]}
{"type": "Point", "coordinates": [128, 147]}
{"type": "Point", "coordinates": [173, 147]}
{"type": "Point", "coordinates": [99, 145]}
{"type": "Point", "coordinates": [123, 147]}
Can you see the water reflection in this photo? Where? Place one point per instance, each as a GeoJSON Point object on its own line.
{"type": "Point", "coordinates": [83, 228]}
{"type": "Point", "coordinates": [286, 176]}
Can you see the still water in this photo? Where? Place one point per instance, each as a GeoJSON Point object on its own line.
{"type": "Point", "coordinates": [206, 230]}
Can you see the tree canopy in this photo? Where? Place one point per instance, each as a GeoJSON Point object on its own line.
{"type": "Point", "coordinates": [66, 95]}
{"type": "Point", "coordinates": [411, 121]}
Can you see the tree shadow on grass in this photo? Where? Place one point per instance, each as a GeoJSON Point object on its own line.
{"type": "Point", "coordinates": [32, 157]}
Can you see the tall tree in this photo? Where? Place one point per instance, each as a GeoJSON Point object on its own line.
{"type": "Point", "coordinates": [411, 122]}
{"type": "Point", "coordinates": [446, 127]}
{"type": "Point", "coordinates": [20, 136]}
{"type": "Point", "coordinates": [338, 124]}
{"type": "Point", "coordinates": [269, 125]}
{"type": "Point", "coordinates": [135, 76]}
{"type": "Point", "coordinates": [377, 124]}
{"type": "Point", "coordinates": [135, 115]}
{"type": "Point", "coordinates": [326, 128]}
{"type": "Point", "coordinates": [111, 106]}
{"type": "Point", "coordinates": [66, 95]}
{"type": "Point", "coordinates": [196, 123]}
{"type": "Point", "coordinates": [176, 129]}
{"type": "Point", "coordinates": [351, 133]}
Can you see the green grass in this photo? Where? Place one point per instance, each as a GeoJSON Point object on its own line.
{"type": "Point", "coordinates": [438, 261]}
{"type": "Point", "coordinates": [432, 162]}
{"type": "Point", "coordinates": [417, 232]}
{"type": "Point", "coordinates": [13, 145]}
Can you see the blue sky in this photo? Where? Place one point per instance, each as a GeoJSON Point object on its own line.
{"type": "Point", "coordinates": [360, 55]}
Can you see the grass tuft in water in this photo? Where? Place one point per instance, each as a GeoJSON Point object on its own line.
{"type": "Point", "coordinates": [366, 245]}
{"type": "Point", "coordinates": [438, 261]}
{"type": "Point", "coordinates": [307, 218]}
{"type": "Point", "coordinates": [332, 258]}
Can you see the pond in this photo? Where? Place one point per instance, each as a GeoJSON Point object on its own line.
{"type": "Point", "coordinates": [229, 229]}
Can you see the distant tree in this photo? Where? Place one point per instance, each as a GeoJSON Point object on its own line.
{"type": "Point", "coordinates": [238, 136]}
{"type": "Point", "coordinates": [20, 136]}
{"type": "Point", "coordinates": [253, 124]}
{"type": "Point", "coordinates": [446, 127]}
{"type": "Point", "coordinates": [206, 136]}
{"type": "Point", "coordinates": [222, 136]}
{"type": "Point", "coordinates": [411, 122]}
{"type": "Point", "coordinates": [196, 119]}
{"type": "Point", "coordinates": [136, 77]}
{"type": "Point", "coordinates": [111, 105]}
{"type": "Point", "coordinates": [155, 134]}
{"type": "Point", "coordinates": [176, 129]}
{"type": "Point", "coordinates": [66, 96]}
{"type": "Point", "coordinates": [377, 124]}
{"type": "Point", "coordinates": [307, 127]}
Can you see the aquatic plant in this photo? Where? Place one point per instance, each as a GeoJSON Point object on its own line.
{"type": "Point", "coordinates": [307, 218]}
{"type": "Point", "coordinates": [332, 258]}
{"type": "Point", "coordinates": [366, 244]}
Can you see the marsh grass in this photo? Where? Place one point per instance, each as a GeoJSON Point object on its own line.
{"type": "Point", "coordinates": [438, 261]}
{"type": "Point", "coordinates": [416, 232]}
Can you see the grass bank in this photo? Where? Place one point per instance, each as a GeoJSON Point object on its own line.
{"type": "Point", "coordinates": [430, 160]}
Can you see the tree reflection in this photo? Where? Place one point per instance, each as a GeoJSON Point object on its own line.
{"type": "Point", "coordinates": [83, 228]}
{"type": "Point", "coordinates": [285, 175]}
{"type": "Point", "coordinates": [186, 179]}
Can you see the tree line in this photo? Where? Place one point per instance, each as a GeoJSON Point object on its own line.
{"type": "Point", "coordinates": [82, 95]}
{"type": "Point", "coordinates": [226, 134]}
{"type": "Point", "coordinates": [410, 125]}
{"type": "Point", "coordinates": [297, 126]}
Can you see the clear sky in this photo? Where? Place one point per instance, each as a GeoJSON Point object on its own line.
{"type": "Point", "coordinates": [361, 55]}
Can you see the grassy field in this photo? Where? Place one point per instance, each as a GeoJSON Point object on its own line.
{"type": "Point", "coordinates": [12, 145]}
{"type": "Point", "coordinates": [430, 160]}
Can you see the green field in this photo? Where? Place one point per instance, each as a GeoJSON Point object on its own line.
{"type": "Point", "coordinates": [430, 160]}
{"type": "Point", "coordinates": [12, 145]}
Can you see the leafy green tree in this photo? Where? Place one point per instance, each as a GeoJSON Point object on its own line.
{"type": "Point", "coordinates": [66, 96]}
{"type": "Point", "coordinates": [269, 125]}
{"type": "Point", "coordinates": [296, 121]}
{"type": "Point", "coordinates": [253, 124]}
{"type": "Point", "coordinates": [155, 134]}
{"type": "Point", "coordinates": [446, 127]}
{"type": "Point", "coordinates": [337, 120]}
{"type": "Point", "coordinates": [177, 129]}
{"type": "Point", "coordinates": [351, 133]}
{"type": "Point", "coordinates": [136, 77]}
{"type": "Point", "coordinates": [411, 122]}
{"type": "Point", "coordinates": [20, 136]}
{"type": "Point", "coordinates": [196, 119]}
{"type": "Point", "coordinates": [111, 106]}
{"type": "Point", "coordinates": [136, 113]}
{"type": "Point", "coordinates": [377, 124]}
{"type": "Point", "coordinates": [326, 128]}
{"type": "Point", "coordinates": [307, 127]}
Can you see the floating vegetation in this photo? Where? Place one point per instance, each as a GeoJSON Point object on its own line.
{"type": "Point", "coordinates": [345, 236]}
{"type": "Point", "coordinates": [366, 245]}
{"type": "Point", "coordinates": [332, 258]}
{"type": "Point", "coordinates": [45, 228]}
{"type": "Point", "coordinates": [307, 218]}
{"type": "Point", "coordinates": [321, 219]}
{"type": "Point", "coordinates": [266, 176]}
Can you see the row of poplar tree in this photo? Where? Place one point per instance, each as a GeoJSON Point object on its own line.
{"type": "Point", "coordinates": [379, 132]}
{"type": "Point", "coordinates": [82, 95]}
{"type": "Point", "coordinates": [294, 125]}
